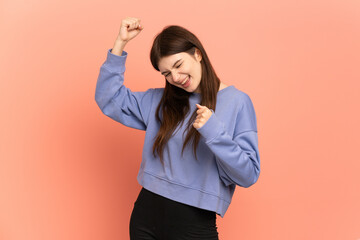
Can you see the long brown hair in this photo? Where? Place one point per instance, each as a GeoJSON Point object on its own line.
{"type": "Point", "coordinates": [174, 104]}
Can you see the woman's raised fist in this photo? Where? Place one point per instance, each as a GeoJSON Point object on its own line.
{"type": "Point", "coordinates": [130, 28]}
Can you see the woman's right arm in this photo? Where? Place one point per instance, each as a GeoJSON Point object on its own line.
{"type": "Point", "coordinates": [113, 98]}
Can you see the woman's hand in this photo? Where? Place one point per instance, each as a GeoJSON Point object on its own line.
{"type": "Point", "coordinates": [203, 114]}
{"type": "Point", "coordinates": [130, 28]}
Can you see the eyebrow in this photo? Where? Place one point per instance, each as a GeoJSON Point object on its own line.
{"type": "Point", "coordinates": [172, 66]}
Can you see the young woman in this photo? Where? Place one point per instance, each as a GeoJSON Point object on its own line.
{"type": "Point", "coordinates": [201, 135]}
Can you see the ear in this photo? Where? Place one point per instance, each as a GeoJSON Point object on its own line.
{"type": "Point", "coordinates": [198, 55]}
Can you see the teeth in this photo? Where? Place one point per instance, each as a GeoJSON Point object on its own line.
{"type": "Point", "coordinates": [184, 81]}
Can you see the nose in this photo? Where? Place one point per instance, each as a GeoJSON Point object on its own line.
{"type": "Point", "coordinates": [175, 77]}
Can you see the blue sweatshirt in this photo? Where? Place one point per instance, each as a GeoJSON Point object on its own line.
{"type": "Point", "coordinates": [227, 153]}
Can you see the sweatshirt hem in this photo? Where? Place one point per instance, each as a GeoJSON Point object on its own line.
{"type": "Point", "coordinates": [184, 194]}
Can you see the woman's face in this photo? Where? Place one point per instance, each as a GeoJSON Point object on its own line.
{"type": "Point", "coordinates": [182, 70]}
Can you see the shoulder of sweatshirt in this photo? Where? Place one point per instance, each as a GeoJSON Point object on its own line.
{"type": "Point", "coordinates": [235, 95]}
{"type": "Point", "coordinates": [157, 92]}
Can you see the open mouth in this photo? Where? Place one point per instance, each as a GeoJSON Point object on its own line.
{"type": "Point", "coordinates": [186, 82]}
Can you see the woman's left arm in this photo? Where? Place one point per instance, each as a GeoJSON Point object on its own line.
{"type": "Point", "coordinates": [237, 155]}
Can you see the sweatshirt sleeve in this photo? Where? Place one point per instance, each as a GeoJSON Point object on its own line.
{"type": "Point", "coordinates": [237, 156]}
{"type": "Point", "coordinates": [115, 100]}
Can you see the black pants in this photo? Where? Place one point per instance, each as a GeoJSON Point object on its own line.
{"type": "Point", "coordinates": [157, 218]}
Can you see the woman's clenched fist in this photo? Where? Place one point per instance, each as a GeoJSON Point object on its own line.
{"type": "Point", "coordinates": [203, 114]}
{"type": "Point", "coordinates": [130, 28]}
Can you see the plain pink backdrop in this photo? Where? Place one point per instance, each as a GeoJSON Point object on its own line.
{"type": "Point", "coordinates": [69, 172]}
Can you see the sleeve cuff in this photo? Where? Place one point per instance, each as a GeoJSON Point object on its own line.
{"type": "Point", "coordinates": [212, 128]}
{"type": "Point", "coordinates": [114, 62]}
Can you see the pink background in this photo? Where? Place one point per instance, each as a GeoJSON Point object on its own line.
{"type": "Point", "coordinates": [69, 172]}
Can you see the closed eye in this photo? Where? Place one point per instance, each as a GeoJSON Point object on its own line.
{"type": "Point", "coordinates": [176, 67]}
